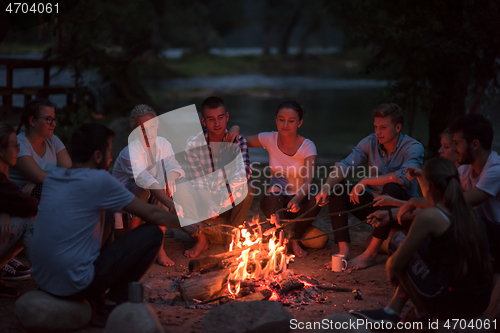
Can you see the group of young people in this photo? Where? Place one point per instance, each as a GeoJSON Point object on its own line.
{"type": "Point", "coordinates": [74, 255]}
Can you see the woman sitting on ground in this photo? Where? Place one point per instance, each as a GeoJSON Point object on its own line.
{"type": "Point", "coordinates": [16, 208]}
{"type": "Point", "coordinates": [443, 264]}
{"type": "Point", "coordinates": [291, 159]}
{"type": "Point", "coordinates": [40, 149]}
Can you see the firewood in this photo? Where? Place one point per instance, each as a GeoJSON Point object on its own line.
{"type": "Point", "coordinates": [204, 286]}
{"type": "Point", "coordinates": [216, 261]}
{"type": "Point", "coordinates": [257, 296]}
{"type": "Point", "coordinates": [205, 264]}
{"type": "Point", "coordinates": [290, 283]}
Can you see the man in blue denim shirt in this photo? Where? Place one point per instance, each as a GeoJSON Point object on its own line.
{"type": "Point", "coordinates": [387, 153]}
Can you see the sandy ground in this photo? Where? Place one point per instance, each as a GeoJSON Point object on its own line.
{"type": "Point", "coordinates": [176, 318]}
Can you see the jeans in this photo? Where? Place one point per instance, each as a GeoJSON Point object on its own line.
{"type": "Point", "coordinates": [340, 202]}
{"type": "Point", "coordinates": [123, 261]}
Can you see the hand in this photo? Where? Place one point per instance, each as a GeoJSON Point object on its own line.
{"type": "Point", "coordinates": [412, 173]}
{"type": "Point", "coordinates": [227, 202]}
{"type": "Point", "coordinates": [322, 197]}
{"type": "Point", "coordinates": [171, 177]}
{"type": "Point", "coordinates": [5, 227]}
{"type": "Point", "coordinates": [356, 191]}
{"type": "Point", "coordinates": [171, 187]}
{"type": "Point", "coordinates": [386, 200]}
{"type": "Point", "coordinates": [378, 218]}
{"type": "Point", "coordinates": [28, 188]}
{"type": "Point", "coordinates": [232, 134]}
{"type": "Point", "coordinates": [293, 205]}
{"type": "Point", "coordinates": [178, 211]}
{"type": "Point", "coordinates": [408, 208]}
{"type": "Point", "coordinates": [213, 212]}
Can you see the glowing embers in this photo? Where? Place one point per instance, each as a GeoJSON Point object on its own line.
{"type": "Point", "coordinates": [258, 261]}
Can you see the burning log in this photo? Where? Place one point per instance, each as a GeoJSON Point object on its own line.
{"type": "Point", "coordinates": [257, 296]}
{"type": "Point", "coordinates": [203, 287]}
{"type": "Point", "coordinates": [205, 264]}
{"type": "Point", "coordinates": [217, 261]}
{"type": "Point", "coordinates": [290, 283]}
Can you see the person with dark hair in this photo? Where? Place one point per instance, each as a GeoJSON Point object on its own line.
{"type": "Point", "coordinates": [443, 264]}
{"type": "Point", "coordinates": [16, 212]}
{"type": "Point", "coordinates": [205, 155]}
{"type": "Point", "coordinates": [68, 257]}
{"type": "Point", "coordinates": [480, 173]}
{"type": "Point", "coordinates": [388, 153]}
{"type": "Point", "coordinates": [291, 160]}
{"type": "Point", "coordinates": [40, 150]}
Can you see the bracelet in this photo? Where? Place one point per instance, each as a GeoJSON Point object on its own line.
{"type": "Point", "coordinates": [391, 219]}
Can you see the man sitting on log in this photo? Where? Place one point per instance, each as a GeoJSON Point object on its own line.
{"type": "Point", "coordinates": [67, 258]}
{"type": "Point", "coordinates": [388, 153]}
{"type": "Point", "coordinates": [209, 155]}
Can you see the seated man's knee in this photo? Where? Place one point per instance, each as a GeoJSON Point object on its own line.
{"type": "Point", "coordinates": [154, 232]}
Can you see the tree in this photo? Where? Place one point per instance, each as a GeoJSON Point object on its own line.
{"type": "Point", "coordinates": [438, 54]}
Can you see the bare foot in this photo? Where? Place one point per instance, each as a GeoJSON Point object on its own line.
{"type": "Point", "coordinates": [364, 260]}
{"type": "Point", "coordinates": [163, 259]}
{"type": "Point", "coordinates": [345, 249]}
{"type": "Point", "coordinates": [201, 245]}
{"type": "Point", "coordinates": [298, 250]}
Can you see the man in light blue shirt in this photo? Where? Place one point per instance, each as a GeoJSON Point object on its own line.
{"type": "Point", "coordinates": [387, 153]}
{"type": "Point", "coordinates": [67, 256]}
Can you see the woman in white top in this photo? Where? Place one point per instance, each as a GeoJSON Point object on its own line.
{"type": "Point", "coordinates": [40, 149]}
{"type": "Point", "coordinates": [291, 159]}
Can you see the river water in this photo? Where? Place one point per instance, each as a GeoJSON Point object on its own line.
{"type": "Point", "coordinates": [337, 110]}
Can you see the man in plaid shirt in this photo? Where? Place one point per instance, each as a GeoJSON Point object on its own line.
{"type": "Point", "coordinates": [215, 166]}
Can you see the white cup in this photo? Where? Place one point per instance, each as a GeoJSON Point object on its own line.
{"type": "Point", "coordinates": [339, 263]}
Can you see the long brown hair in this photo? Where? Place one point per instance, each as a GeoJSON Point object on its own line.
{"type": "Point", "coordinates": [5, 131]}
{"type": "Point", "coordinates": [444, 183]}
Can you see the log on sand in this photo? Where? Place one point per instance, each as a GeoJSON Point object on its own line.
{"type": "Point", "coordinates": [217, 261]}
{"type": "Point", "coordinates": [204, 286]}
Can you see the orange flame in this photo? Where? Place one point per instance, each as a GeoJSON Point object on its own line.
{"type": "Point", "coordinates": [250, 261]}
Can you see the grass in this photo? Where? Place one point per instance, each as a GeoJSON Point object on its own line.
{"type": "Point", "coordinates": [343, 64]}
{"type": "Point", "coordinates": [9, 48]}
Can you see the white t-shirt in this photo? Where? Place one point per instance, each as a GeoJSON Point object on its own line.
{"type": "Point", "coordinates": [133, 160]}
{"type": "Point", "coordinates": [46, 162]}
{"type": "Point", "coordinates": [287, 171]}
{"type": "Point", "coordinates": [68, 229]}
{"type": "Point", "coordinates": [489, 182]}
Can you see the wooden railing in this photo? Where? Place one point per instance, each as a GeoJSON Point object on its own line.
{"type": "Point", "coordinates": [29, 91]}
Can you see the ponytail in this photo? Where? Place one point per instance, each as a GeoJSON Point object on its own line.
{"type": "Point", "coordinates": [32, 109]}
{"type": "Point", "coordinates": [472, 254]}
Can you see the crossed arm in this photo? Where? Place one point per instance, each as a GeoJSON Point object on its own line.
{"type": "Point", "coordinates": [27, 165]}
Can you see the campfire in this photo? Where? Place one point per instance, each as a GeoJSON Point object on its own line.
{"type": "Point", "coordinates": [254, 268]}
{"type": "Point", "coordinates": [257, 263]}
